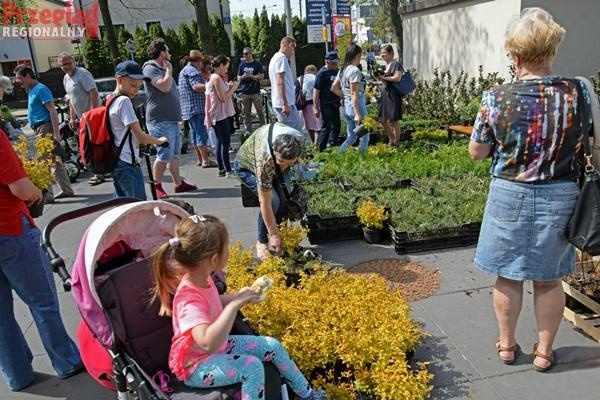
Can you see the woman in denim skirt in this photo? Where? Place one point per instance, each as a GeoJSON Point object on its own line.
{"type": "Point", "coordinates": [532, 130]}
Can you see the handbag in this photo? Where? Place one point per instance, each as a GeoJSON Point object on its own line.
{"type": "Point", "coordinates": [300, 99]}
{"type": "Point", "coordinates": [595, 119]}
{"type": "Point", "coordinates": [583, 230]}
{"type": "Point", "coordinates": [296, 202]}
{"type": "Point", "coordinates": [405, 85]}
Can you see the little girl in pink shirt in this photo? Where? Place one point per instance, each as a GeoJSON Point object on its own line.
{"type": "Point", "coordinates": [203, 353]}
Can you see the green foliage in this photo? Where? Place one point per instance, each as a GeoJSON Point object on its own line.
{"type": "Point", "coordinates": [596, 82]}
{"type": "Point", "coordinates": [177, 52]}
{"type": "Point", "coordinates": [241, 34]}
{"type": "Point", "coordinates": [155, 31]}
{"type": "Point", "coordinates": [142, 40]}
{"type": "Point", "coordinates": [277, 32]}
{"type": "Point", "coordinates": [451, 189]}
{"type": "Point", "coordinates": [122, 36]}
{"type": "Point", "coordinates": [6, 115]}
{"type": "Point", "coordinates": [255, 30]}
{"type": "Point", "coordinates": [299, 29]}
{"type": "Point", "coordinates": [219, 36]}
{"type": "Point", "coordinates": [442, 98]}
{"type": "Point", "coordinates": [188, 38]}
{"type": "Point", "coordinates": [95, 56]}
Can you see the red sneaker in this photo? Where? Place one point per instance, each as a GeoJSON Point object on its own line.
{"type": "Point", "coordinates": [160, 192]}
{"type": "Point", "coordinates": [184, 187]}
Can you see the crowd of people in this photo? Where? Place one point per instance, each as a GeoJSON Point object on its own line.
{"type": "Point", "coordinates": [535, 171]}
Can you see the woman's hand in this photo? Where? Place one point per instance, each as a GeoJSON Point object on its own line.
{"type": "Point", "coordinates": [275, 242]}
{"type": "Point", "coordinates": [244, 296]}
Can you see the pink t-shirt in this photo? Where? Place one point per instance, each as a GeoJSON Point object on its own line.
{"type": "Point", "coordinates": [192, 306]}
{"type": "Point", "coordinates": [216, 110]}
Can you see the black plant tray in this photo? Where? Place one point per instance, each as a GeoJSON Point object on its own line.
{"type": "Point", "coordinates": [435, 239]}
{"type": "Point", "coordinates": [332, 229]}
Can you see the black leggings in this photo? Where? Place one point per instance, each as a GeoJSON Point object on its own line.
{"type": "Point", "coordinates": [223, 133]}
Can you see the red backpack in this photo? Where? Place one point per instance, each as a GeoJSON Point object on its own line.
{"type": "Point", "coordinates": [97, 140]}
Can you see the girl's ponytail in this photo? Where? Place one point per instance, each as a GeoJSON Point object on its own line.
{"type": "Point", "coordinates": [165, 279]}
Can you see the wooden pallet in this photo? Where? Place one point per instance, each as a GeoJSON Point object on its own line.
{"type": "Point", "coordinates": [588, 321]}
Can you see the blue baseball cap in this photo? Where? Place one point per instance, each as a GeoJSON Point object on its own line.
{"type": "Point", "coordinates": [131, 69]}
{"type": "Point", "coordinates": [332, 56]}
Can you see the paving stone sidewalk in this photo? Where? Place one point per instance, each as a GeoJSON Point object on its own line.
{"type": "Point", "coordinates": [459, 317]}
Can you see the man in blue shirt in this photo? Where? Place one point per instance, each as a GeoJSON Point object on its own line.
{"type": "Point", "coordinates": [326, 104]}
{"type": "Point", "coordinates": [250, 74]}
{"type": "Point", "coordinates": [43, 119]}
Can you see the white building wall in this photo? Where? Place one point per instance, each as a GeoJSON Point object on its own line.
{"type": "Point", "coordinates": [459, 36]}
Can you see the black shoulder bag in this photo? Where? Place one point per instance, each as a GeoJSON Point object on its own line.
{"type": "Point", "coordinates": [296, 203]}
{"type": "Point", "coordinates": [583, 230]}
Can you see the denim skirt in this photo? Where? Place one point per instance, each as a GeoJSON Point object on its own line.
{"type": "Point", "coordinates": [523, 230]}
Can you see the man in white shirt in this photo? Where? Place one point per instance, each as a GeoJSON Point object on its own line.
{"type": "Point", "coordinates": [283, 89]}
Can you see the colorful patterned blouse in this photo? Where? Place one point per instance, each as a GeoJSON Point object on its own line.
{"type": "Point", "coordinates": [534, 126]}
{"type": "Point", "coordinates": [254, 155]}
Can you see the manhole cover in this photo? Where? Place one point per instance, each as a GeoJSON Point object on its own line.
{"type": "Point", "coordinates": [414, 280]}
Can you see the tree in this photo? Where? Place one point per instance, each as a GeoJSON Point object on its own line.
{"type": "Point", "coordinates": [203, 25]}
{"type": "Point", "coordinates": [109, 31]}
{"type": "Point", "coordinates": [187, 39]}
{"type": "Point", "coordinates": [264, 33]}
{"type": "Point", "coordinates": [220, 37]}
{"type": "Point", "coordinates": [95, 54]}
{"type": "Point", "coordinates": [241, 34]}
{"type": "Point", "coordinates": [123, 35]}
{"type": "Point", "coordinates": [299, 30]}
{"type": "Point", "coordinates": [142, 40]}
{"type": "Point", "coordinates": [254, 30]}
{"type": "Point", "coordinates": [175, 48]}
{"type": "Point", "coordinates": [276, 33]}
{"type": "Point", "coordinates": [155, 31]}
{"type": "Point", "coordinates": [387, 16]}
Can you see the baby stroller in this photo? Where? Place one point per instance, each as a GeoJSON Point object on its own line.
{"type": "Point", "coordinates": [123, 342]}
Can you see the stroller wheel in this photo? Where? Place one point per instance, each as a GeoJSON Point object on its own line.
{"type": "Point", "coordinates": [72, 170]}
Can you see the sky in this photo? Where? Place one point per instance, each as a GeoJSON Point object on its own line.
{"type": "Point", "coordinates": [247, 7]}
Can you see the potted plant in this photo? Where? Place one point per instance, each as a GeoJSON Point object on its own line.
{"type": "Point", "coordinates": [372, 217]}
{"type": "Point", "coordinates": [37, 165]}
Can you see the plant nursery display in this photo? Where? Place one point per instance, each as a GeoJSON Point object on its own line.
{"type": "Point", "coordinates": [328, 324]}
{"type": "Point", "coordinates": [372, 216]}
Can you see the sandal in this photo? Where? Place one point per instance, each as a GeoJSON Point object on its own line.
{"type": "Point", "coordinates": [96, 180]}
{"type": "Point", "coordinates": [513, 349]}
{"type": "Point", "coordinates": [546, 357]}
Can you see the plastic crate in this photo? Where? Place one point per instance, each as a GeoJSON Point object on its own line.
{"type": "Point", "coordinates": [332, 229]}
{"type": "Point", "coordinates": [249, 198]}
{"type": "Point", "coordinates": [435, 239]}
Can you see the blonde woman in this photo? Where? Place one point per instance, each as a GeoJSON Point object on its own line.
{"type": "Point", "coordinates": [535, 151]}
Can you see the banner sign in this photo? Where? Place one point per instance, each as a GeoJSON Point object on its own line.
{"type": "Point", "coordinates": [342, 33]}
{"type": "Point", "coordinates": [318, 13]}
{"type": "Point", "coordinates": [343, 8]}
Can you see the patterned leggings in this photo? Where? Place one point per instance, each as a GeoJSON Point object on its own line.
{"type": "Point", "coordinates": [242, 362]}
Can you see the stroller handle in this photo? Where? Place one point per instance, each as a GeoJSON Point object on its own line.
{"type": "Point", "coordinates": [56, 261]}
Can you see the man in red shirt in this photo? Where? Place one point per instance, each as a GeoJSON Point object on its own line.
{"type": "Point", "coordinates": [25, 268]}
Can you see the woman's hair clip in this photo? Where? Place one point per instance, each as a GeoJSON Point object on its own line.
{"type": "Point", "coordinates": [174, 242]}
{"type": "Point", "coordinates": [197, 218]}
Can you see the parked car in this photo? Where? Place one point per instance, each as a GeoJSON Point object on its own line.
{"type": "Point", "coordinates": [107, 86]}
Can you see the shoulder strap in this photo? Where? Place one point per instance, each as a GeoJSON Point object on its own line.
{"type": "Point", "coordinates": [109, 102]}
{"type": "Point", "coordinates": [585, 125]}
{"type": "Point", "coordinates": [277, 168]}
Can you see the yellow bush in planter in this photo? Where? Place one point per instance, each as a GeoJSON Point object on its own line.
{"type": "Point", "coordinates": [371, 214]}
{"type": "Point", "coordinates": [38, 165]}
{"type": "Point", "coordinates": [332, 317]}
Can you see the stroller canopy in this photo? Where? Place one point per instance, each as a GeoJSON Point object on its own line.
{"type": "Point", "coordinates": [142, 226]}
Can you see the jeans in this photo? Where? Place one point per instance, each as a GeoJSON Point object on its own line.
{"type": "Point", "coordinates": [247, 101]}
{"type": "Point", "coordinates": [170, 130]}
{"type": "Point", "coordinates": [249, 179]}
{"type": "Point", "coordinates": [25, 269]}
{"type": "Point", "coordinates": [330, 113]}
{"type": "Point", "coordinates": [198, 133]}
{"type": "Point", "coordinates": [128, 181]}
{"type": "Point", "coordinates": [223, 132]}
{"type": "Point", "coordinates": [351, 124]}
{"type": "Point", "coordinates": [293, 120]}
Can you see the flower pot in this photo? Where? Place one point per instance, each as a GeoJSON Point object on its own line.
{"type": "Point", "coordinates": [373, 236]}
{"type": "Point", "coordinates": [36, 210]}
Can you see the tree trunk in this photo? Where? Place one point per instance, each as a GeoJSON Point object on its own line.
{"type": "Point", "coordinates": [109, 30]}
{"type": "Point", "coordinates": [397, 24]}
{"type": "Point", "coordinates": [208, 46]}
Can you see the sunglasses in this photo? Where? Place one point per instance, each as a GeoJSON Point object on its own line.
{"type": "Point", "coordinates": [246, 54]}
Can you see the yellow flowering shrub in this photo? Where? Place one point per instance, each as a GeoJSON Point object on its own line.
{"type": "Point", "coordinates": [372, 124]}
{"type": "Point", "coordinates": [371, 214]}
{"type": "Point", "coordinates": [291, 236]}
{"type": "Point", "coordinates": [349, 333]}
{"type": "Point", "coordinates": [38, 165]}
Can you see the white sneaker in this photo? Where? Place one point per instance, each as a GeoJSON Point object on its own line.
{"type": "Point", "coordinates": [230, 175]}
{"type": "Point", "coordinates": [262, 251]}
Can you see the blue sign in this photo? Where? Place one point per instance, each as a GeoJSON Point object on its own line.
{"type": "Point", "coordinates": [226, 19]}
{"type": "Point", "coordinates": [314, 12]}
{"type": "Point", "coordinates": [343, 8]}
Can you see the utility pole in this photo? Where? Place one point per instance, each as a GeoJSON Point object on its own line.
{"type": "Point", "coordinates": [300, 5]}
{"type": "Point", "coordinates": [290, 32]}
